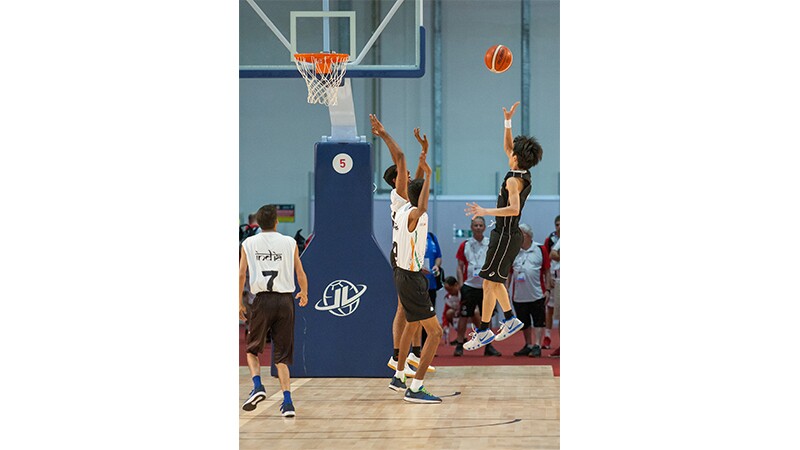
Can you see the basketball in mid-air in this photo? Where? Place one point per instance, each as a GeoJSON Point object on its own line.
{"type": "Point", "coordinates": [498, 58]}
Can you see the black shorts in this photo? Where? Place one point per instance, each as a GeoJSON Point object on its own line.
{"type": "Point", "coordinates": [470, 298]}
{"type": "Point", "coordinates": [530, 310]}
{"type": "Point", "coordinates": [412, 288]}
{"type": "Point", "coordinates": [275, 311]}
{"type": "Point", "coordinates": [503, 249]}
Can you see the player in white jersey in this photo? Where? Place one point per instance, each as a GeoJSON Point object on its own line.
{"type": "Point", "coordinates": [271, 260]}
{"type": "Point", "coordinates": [412, 287]}
{"type": "Point", "coordinates": [399, 198]}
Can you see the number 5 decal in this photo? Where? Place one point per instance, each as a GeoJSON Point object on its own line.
{"type": "Point", "coordinates": [270, 275]}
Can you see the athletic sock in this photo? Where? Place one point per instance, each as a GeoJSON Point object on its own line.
{"type": "Point", "coordinates": [509, 314]}
{"type": "Point", "coordinates": [400, 375]}
{"type": "Point", "coordinates": [396, 353]}
{"type": "Point", "coordinates": [257, 381]}
{"type": "Point", "coordinates": [415, 351]}
{"type": "Point", "coordinates": [547, 332]}
{"type": "Point", "coordinates": [416, 385]}
{"type": "Point", "coordinates": [484, 326]}
{"type": "Point", "coordinates": [287, 397]}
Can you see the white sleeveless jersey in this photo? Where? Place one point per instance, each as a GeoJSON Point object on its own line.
{"type": "Point", "coordinates": [270, 262]}
{"type": "Point", "coordinates": [410, 245]}
{"type": "Point", "coordinates": [397, 202]}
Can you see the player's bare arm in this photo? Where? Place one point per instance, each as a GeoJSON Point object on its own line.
{"type": "Point", "coordinates": [423, 142]}
{"type": "Point", "coordinates": [422, 204]}
{"type": "Point", "coordinates": [398, 157]}
{"type": "Point", "coordinates": [508, 138]}
{"type": "Point", "coordinates": [242, 277]}
{"type": "Point", "coordinates": [514, 186]}
{"type": "Point", "coordinates": [302, 280]}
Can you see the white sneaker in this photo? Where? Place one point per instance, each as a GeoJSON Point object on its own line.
{"type": "Point", "coordinates": [507, 328]}
{"type": "Point", "coordinates": [479, 339]}
{"type": "Point", "coordinates": [409, 372]}
{"type": "Point", "coordinates": [414, 361]}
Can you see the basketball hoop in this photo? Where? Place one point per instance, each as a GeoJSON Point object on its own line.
{"type": "Point", "coordinates": [323, 73]}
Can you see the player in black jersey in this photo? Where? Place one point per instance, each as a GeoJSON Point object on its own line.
{"type": "Point", "coordinates": [523, 152]}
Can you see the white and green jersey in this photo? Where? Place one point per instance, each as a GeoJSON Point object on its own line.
{"type": "Point", "coordinates": [408, 247]}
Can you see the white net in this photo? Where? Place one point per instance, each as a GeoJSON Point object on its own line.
{"type": "Point", "coordinates": [323, 73]}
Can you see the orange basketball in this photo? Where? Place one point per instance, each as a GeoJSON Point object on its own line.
{"type": "Point", "coordinates": [498, 58]}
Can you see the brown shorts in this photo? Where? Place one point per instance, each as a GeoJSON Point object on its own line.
{"type": "Point", "coordinates": [273, 311]}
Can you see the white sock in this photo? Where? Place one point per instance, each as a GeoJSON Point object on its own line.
{"type": "Point", "coordinates": [399, 374]}
{"type": "Point", "coordinates": [547, 332]}
{"type": "Point", "coordinates": [415, 385]}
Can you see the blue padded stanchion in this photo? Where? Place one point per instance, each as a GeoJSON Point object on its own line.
{"type": "Point", "coordinates": [346, 328]}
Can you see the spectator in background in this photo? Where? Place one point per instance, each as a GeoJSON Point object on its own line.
{"type": "Point", "coordinates": [555, 256]}
{"type": "Point", "coordinates": [529, 282]}
{"type": "Point", "coordinates": [470, 262]}
{"type": "Point", "coordinates": [433, 264]}
{"type": "Point", "coordinates": [249, 229]}
{"type": "Point", "coordinates": [551, 301]}
{"type": "Point", "coordinates": [452, 305]}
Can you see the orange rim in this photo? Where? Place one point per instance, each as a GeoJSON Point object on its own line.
{"type": "Point", "coordinates": [322, 61]}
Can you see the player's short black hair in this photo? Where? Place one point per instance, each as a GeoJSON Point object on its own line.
{"type": "Point", "coordinates": [558, 219]}
{"type": "Point", "coordinates": [450, 281]}
{"type": "Point", "coordinates": [267, 217]}
{"type": "Point", "coordinates": [390, 175]}
{"type": "Point", "coordinates": [414, 190]}
{"type": "Point", "coordinates": [528, 151]}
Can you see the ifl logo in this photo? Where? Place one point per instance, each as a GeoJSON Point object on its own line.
{"type": "Point", "coordinates": [340, 298]}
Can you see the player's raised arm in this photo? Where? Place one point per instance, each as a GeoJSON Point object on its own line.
{"type": "Point", "coordinates": [399, 159]}
{"type": "Point", "coordinates": [514, 187]}
{"type": "Point", "coordinates": [422, 203]}
{"type": "Point", "coordinates": [508, 138]}
{"type": "Point", "coordinates": [423, 141]}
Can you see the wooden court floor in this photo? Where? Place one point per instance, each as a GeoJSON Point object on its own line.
{"type": "Point", "coordinates": [497, 406]}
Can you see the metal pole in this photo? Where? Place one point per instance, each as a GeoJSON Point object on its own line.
{"type": "Point", "coordinates": [526, 66]}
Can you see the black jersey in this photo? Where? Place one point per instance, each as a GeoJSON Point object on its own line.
{"type": "Point", "coordinates": [510, 224]}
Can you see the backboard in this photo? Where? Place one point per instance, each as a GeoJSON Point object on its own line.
{"type": "Point", "coordinates": [384, 38]}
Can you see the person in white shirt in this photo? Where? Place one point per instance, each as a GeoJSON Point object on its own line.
{"type": "Point", "coordinates": [528, 289]}
{"type": "Point", "coordinates": [398, 199]}
{"type": "Point", "coordinates": [412, 286]}
{"type": "Point", "coordinates": [271, 261]}
{"type": "Point", "coordinates": [555, 255]}
{"type": "Point", "coordinates": [475, 249]}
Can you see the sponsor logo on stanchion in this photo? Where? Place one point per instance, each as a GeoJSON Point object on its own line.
{"type": "Point", "coordinates": [341, 298]}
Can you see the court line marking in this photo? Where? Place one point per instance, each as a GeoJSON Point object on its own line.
{"type": "Point", "coordinates": [271, 401]}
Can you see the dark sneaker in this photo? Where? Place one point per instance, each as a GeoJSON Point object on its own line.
{"type": "Point", "coordinates": [459, 349]}
{"type": "Point", "coordinates": [536, 352]}
{"type": "Point", "coordinates": [421, 396]}
{"type": "Point", "coordinates": [524, 351]}
{"type": "Point", "coordinates": [491, 351]}
{"type": "Point", "coordinates": [256, 395]}
{"type": "Point", "coordinates": [398, 385]}
{"type": "Point", "coordinates": [546, 343]}
{"type": "Point", "coordinates": [287, 409]}
{"type": "Point", "coordinates": [453, 342]}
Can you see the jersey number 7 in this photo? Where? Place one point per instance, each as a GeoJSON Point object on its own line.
{"type": "Point", "coordinates": [270, 275]}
